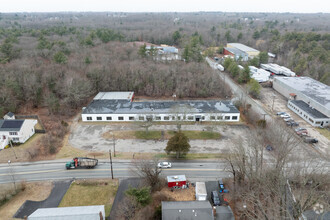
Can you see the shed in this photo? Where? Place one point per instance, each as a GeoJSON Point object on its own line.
{"type": "Point", "coordinates": [9, 115]}
{"type": "Point", "coordinates": [176, 181]}
{"type": "Point", "coordinates": [69, 213]}
{"type": "Point", "coordinates": [201, 193]}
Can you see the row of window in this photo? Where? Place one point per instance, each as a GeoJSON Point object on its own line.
{"type": "Point", "coordinates": [165, 118]}
{"type": "Point", "coordinates": [304, 116]}
{"type": "Point", "coordinates": [12, 133]}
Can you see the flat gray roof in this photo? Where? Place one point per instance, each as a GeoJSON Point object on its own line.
{"type": "Point", "coordinates": [243, 47]}
{"type": "Point", "coordinates": [224, 213]}
{"type": "Point", "coordinates": [114, 96]}
{"type": "Point", "coordinates": [305, 107]}
{"type": "Point", "coordinates": [311, 88]}
{"type": "Point", "coordinates": [64, 212]}
{"type": "Point", "coordinates": [159, 107]}
{"type": "Point", "coordinates": [11, 125]}
{"type": "Point", "coordinates": [187, 210]}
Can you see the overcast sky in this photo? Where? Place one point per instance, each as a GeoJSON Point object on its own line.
{"type": "Point", "coordinates": [302, 6]}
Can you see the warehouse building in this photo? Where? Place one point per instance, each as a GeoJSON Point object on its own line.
{"type": "Point", "coordinates": [314, 94]}
{"type": "Point", "coordinates": [251, 52]}
{"type": "Point", "coordinates": [110, 109]}
{"type": "Point", "coordinates": [235, 53]}
{"type": "Point", "coordinates": [309, 114]}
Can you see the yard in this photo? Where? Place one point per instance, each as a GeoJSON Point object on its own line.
{"type": "Point", "coordinates": [91, 192]}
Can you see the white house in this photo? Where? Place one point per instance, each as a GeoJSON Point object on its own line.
{"type": "Point", "coordinates": [109, 109]}
{"type": "Point", "coordinates": [16, 130]}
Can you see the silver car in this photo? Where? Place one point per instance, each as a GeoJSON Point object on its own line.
{"type": "Point", "coordinates": [164, 165]}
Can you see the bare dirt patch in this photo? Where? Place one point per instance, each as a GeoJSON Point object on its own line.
{"type": "Point", "coordinates": [187, 194]}
{"type": "Point", "coordinates": [36, 191]}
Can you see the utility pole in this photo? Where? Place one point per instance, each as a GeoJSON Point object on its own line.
{"type": "Point", "coordinates": [114, 145]}
{"type": "Point", "coordinates": [11, 145]}
{"type": "Point", "coordinates": [111, 164]}
{"type": "Point", "coordinates": [273, 102]}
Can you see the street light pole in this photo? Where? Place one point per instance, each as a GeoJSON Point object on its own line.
{"type": "Point", "coordinates": [114, 145]}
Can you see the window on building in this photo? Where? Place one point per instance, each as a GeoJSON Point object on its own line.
{"type": "Point", "coordinates": [234, 117]}
{"type": "Point", "coordinates": [219, 117]}
{"type": "Point", "coordinates": [318, 122]}
{"type": "Point", "coordinates": [141, 118]}
{"type": "Point", "coordinates": [99, 118]}
{"type": "Point", "coordinates": [12, 133]}
{"type": "Point", "coordinates": [89, 118]}
{"type": "Point", "coordinates": [121, 118]}
{"type": "Point", "coordinates": [109, 118]}
{"type": "Point", "coordinates": [131, 118]}
{"type": "Point", "coordinates": [173, 118]}
{"type": "Point", "coordinates": [158, 118]}
{"type": "Point", "coordinates": [15, 139]}
{"type": "Point", "coordinates": [203, 117]}
{"type": "Point", "coordinates": [166, 118]}
{"type": "Point", "coordinates": [190, 117]}
{"type": "Point", "coordinates": [227, 117]}
{"type": "Point", "coordinates": [179, 118]}
{"type": "Point", "coordinates": [311, 120]}
{"type": "Point", "coordinates": [212, 117]}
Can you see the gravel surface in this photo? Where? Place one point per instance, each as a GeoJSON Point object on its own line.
{"type": "Point", "coordinates": [52, 201]}
{"type": "Point", "coordinates": [89, 137]}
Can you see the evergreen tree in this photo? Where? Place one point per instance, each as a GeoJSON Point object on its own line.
{"type": "Point", "coordinates": [179, 143]}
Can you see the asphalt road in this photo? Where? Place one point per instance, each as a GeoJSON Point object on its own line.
{"type": "Point", "coordinates": [55, 170]}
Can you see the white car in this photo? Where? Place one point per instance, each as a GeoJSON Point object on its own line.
{"type": "Point", "coordinates": [164, 165]}
{"type": "Point", "coordinates": [285, 116]}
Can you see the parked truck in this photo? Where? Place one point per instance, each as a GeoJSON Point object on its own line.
{"type": "Point", "coordinates": [81, 162]}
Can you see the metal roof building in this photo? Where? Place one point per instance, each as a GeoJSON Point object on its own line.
{"type": "Point", "coordinates": [69, 213]}
{"type": "Point", "coordinates": [249, 50]}
{"type": "Point", "coordinates": [314, 93]}
{"type": "Point", "coordinates": [187, 210]}
{"type": "Point", "coordinates": [238, 54]}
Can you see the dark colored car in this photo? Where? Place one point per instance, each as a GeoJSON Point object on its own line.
{"type": "Point", "coordinates": [269, 148]}
{"type": "Point", "coordinates": [215, 198]}
{"type": "Point", "coordinates": [310, 140]}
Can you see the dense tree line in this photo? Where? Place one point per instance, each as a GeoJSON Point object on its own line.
{"type": "Point", "coordinates": [38, 80]}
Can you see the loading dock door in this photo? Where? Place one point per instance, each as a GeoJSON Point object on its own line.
{"type": "Point", "coordinates": [198, 117]}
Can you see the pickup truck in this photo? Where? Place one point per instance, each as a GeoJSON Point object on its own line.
{"type": "Point", "coordinates": [81, 162]}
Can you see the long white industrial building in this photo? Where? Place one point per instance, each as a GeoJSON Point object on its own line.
{"type": "Point", "coordinates": [314, 94]}
{"type": "Point", "coordinates": [121, 108]}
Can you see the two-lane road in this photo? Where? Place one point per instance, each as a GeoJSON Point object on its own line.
{"type": "Point", "coordinates": [54, 170]}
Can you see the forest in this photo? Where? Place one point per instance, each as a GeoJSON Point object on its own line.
{"type": "Point", "coordinates": [60, 60]}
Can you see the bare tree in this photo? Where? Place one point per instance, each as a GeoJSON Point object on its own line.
{"type": "Point", "coordinates": [149, 171]}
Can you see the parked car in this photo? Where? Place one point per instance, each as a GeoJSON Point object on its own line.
{"type": "Point", "coordinates": [288, 119]}
{"type": "Point", "coordinates": [280, 113]}
{"type": "Point", "coordinates": [302, 132]}
{"type": "Point", "coordinates": [300, 129]}
{"type": "Point", "coordinates": [164, 165]}
{"type": "Point", "coordinates": [310, 140]}
{"type": "Point", "coordinates": [285, 115]}
{"type": "Point", "coordinates": [222, 187]}
{"type": "Point", "coordinates": [215, 198]}
{"type": "Point", "coordinates": [269, 148]}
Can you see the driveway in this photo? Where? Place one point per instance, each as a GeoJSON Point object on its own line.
{"type": "Point", "coordinates": [52, 201]}
{"type": "Point", "coordinates": [90, 137]}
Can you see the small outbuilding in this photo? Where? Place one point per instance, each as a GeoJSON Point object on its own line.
{"type": "Point", "coordinates": [69, 213]}
{"type": "Point", "coordinates": [187, 210]}
{"type": "Point", "coordinates": [9, 116]}
{"type": "Point", "coordinates": [176, 181]}
{"type": "Point", "coordinates": [201, 193]}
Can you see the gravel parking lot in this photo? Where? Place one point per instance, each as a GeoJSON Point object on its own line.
{"type": "Point", "coordinates": [89, 137]}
